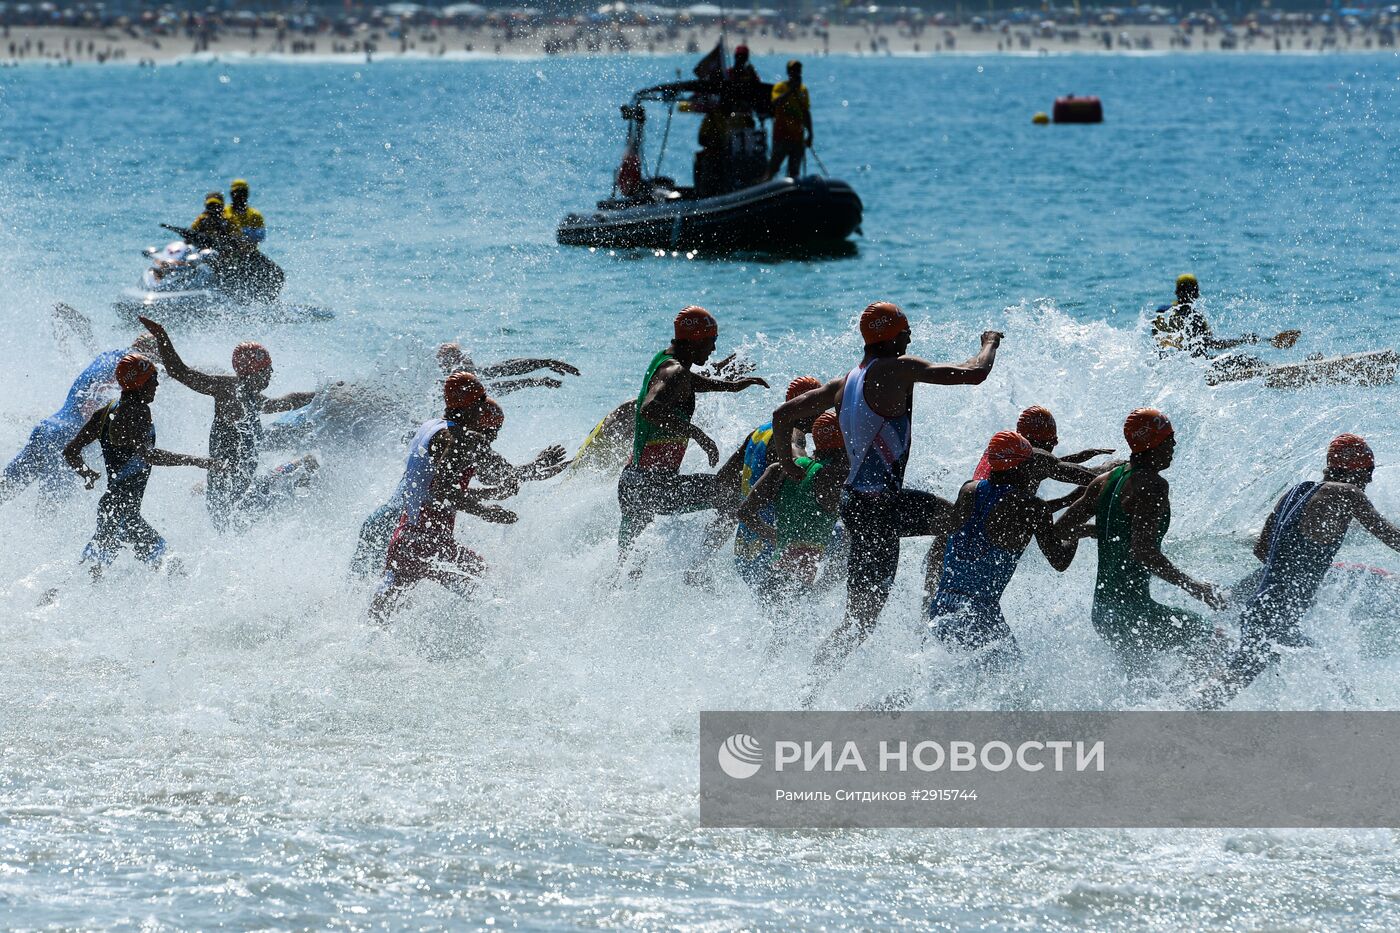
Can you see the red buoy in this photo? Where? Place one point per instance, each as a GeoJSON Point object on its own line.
{"type": "Point", "coordinates": [1078, 110]}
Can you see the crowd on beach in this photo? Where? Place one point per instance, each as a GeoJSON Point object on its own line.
{"type": "Point", "coordinates": [101, 33]}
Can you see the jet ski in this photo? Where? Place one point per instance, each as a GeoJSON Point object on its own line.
{"type": "Point", "coordinates": [186, 282]}
{"type": "Point", "coordinates": [731, 205]}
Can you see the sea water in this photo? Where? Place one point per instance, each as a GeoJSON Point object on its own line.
{"type": "Point", "coordinates": [237, 747]}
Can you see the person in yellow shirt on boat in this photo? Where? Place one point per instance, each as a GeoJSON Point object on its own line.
{"type": "Point", "coordinates": [212, 229]}
{"type": "Point", "coordinates": [792, 118]}
{"type": "Point", "coordinates": [247, 220]}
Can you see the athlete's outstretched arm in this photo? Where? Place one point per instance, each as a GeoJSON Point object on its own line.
{"type": "Point", "coordinates": [974, 372]}
{"type": "Point", "coordinates": [520, 367]}
{"type": "Point", "coordinates": [203, 383]}
{"type": "Point", "coordinates": [289, 402]}
{"type": "Point", "coordinates": [501, 387]}
{"type": "Point", "coordinates": [1151, 494]}
{"type": "Point", "coordinates": [706, 384]}
{"type": "Point", "coordinates": [804, 407]}
{"type": "Point", "coordinates": [1088, 454]}
{"type": "Point", "coordinates": [1377, 524]}
{"type": "Point", "coordinates": [157, 457]}
{"type": "Point", "coordinates": [1081, 510]}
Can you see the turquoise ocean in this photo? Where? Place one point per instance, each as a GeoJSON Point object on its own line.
{"type": "Point", "coordinates": [237, 749]}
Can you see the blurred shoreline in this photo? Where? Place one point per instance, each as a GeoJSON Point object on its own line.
{"type": "Point", "coordinates": [63, 45]}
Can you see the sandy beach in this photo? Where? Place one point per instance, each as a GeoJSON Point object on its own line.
{"type": "Point", "coordinates": [59, 45]}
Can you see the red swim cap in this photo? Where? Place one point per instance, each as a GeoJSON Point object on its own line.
{"type": "Point", "coordinates": [1007, 450]}
{"type": "Point", "coordinates": [801, 386]}
{"type": "Point", "coordinates": [1037, 425]}
{"type": "Point", "coordinates": [1349, 453]}
{"type": "Point", "coordinates": [881, 321]}
{"type": "Point", "coordinates": [695, 323]}
{"type": "Point", "coordinates": [492, 417]}
{"type": "Point", "coordinates": [249, 358]}
{"type": "Point", "coordinates": [1146, 428]}
{"type": "Point", "coordinates": [826, 432]}
{"type": "Point", "coordinates": [462, 390]}
{"type": "Point", "coordinates": [134, 371]}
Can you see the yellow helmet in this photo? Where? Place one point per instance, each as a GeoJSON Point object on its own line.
{"type": "Point", "coordinates": [213, 204]}
{"type": "Point", "coordinates": [238, 184]}
{"type": "Point", "coordinates": [1187, 288]}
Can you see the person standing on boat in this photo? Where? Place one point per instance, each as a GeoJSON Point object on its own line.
{"type": "Point", "coordinates": [743, 71]}
{"type": "Point", "coordinates": [744, 91]}
{"type": "Point", "coordinates": [792, 122]}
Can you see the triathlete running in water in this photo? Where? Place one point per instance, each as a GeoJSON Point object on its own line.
{"type": "Point", "coordinates": [752, 555]}
{"type": "Point", "coordinates": [235, 493]}
{"type": "Point", "coordinates": [1037, 425]}
{"type": "Point", "coordinates": [995, 519]}
{"type": "Point", "coordinates": [1131, 509]}
{"type": "Point", "coordinates": [41, 458]}
{"type": "Point", "coordinates": [445, 456]}
{"type": "Point", "coordinates": [378, 529]}
{"type": "Point", "coordinates": [876, 401]}
{"type": "Point", "coordinates": [795, 519]}
{"type": "Point", "coordinates": [1297, 546]}
{"type": "Point", "coordinates": [127, 435]}
{"type": "Point", "coordinates": [652, 484]}
{"type": "Point", "coordinates": [608, 445]}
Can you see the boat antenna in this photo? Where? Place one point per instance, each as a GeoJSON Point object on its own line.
{"type": "Point", "coordinates": [723, 40]}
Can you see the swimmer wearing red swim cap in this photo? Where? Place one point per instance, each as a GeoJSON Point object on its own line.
{"type": "Point", "coordinates": [874, 402]}
{"type": "Point", "coordinates": [651, 484]}
{"type": "Point", "coordinates": [995, 520]}
{"type": "Point", "coordinates": [1297, 547]}
{"type": "Point", "coordinates": [235, 493]}
{"type": "Point", "coordinates": [444, 457]}
{"type": "Point", "coordinates": [128, 437]}
{"type": "Point", "coordinates": [740, 473]}
{"type": "Point", "coordinates": [1037, 425]}
{"type": "Point", "coordinates": [1131, 510]}
{"type": "Point", "coordinates": [795, 519]}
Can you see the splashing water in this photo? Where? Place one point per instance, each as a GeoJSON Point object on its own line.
{"type": "Point", "coordinates": [238, 745]}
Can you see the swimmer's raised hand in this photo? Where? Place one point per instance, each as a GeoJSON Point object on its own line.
{"type": "Point", "coordinates": [497, 515]}
{"type": "Point", "coordinates": [89, 477]}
